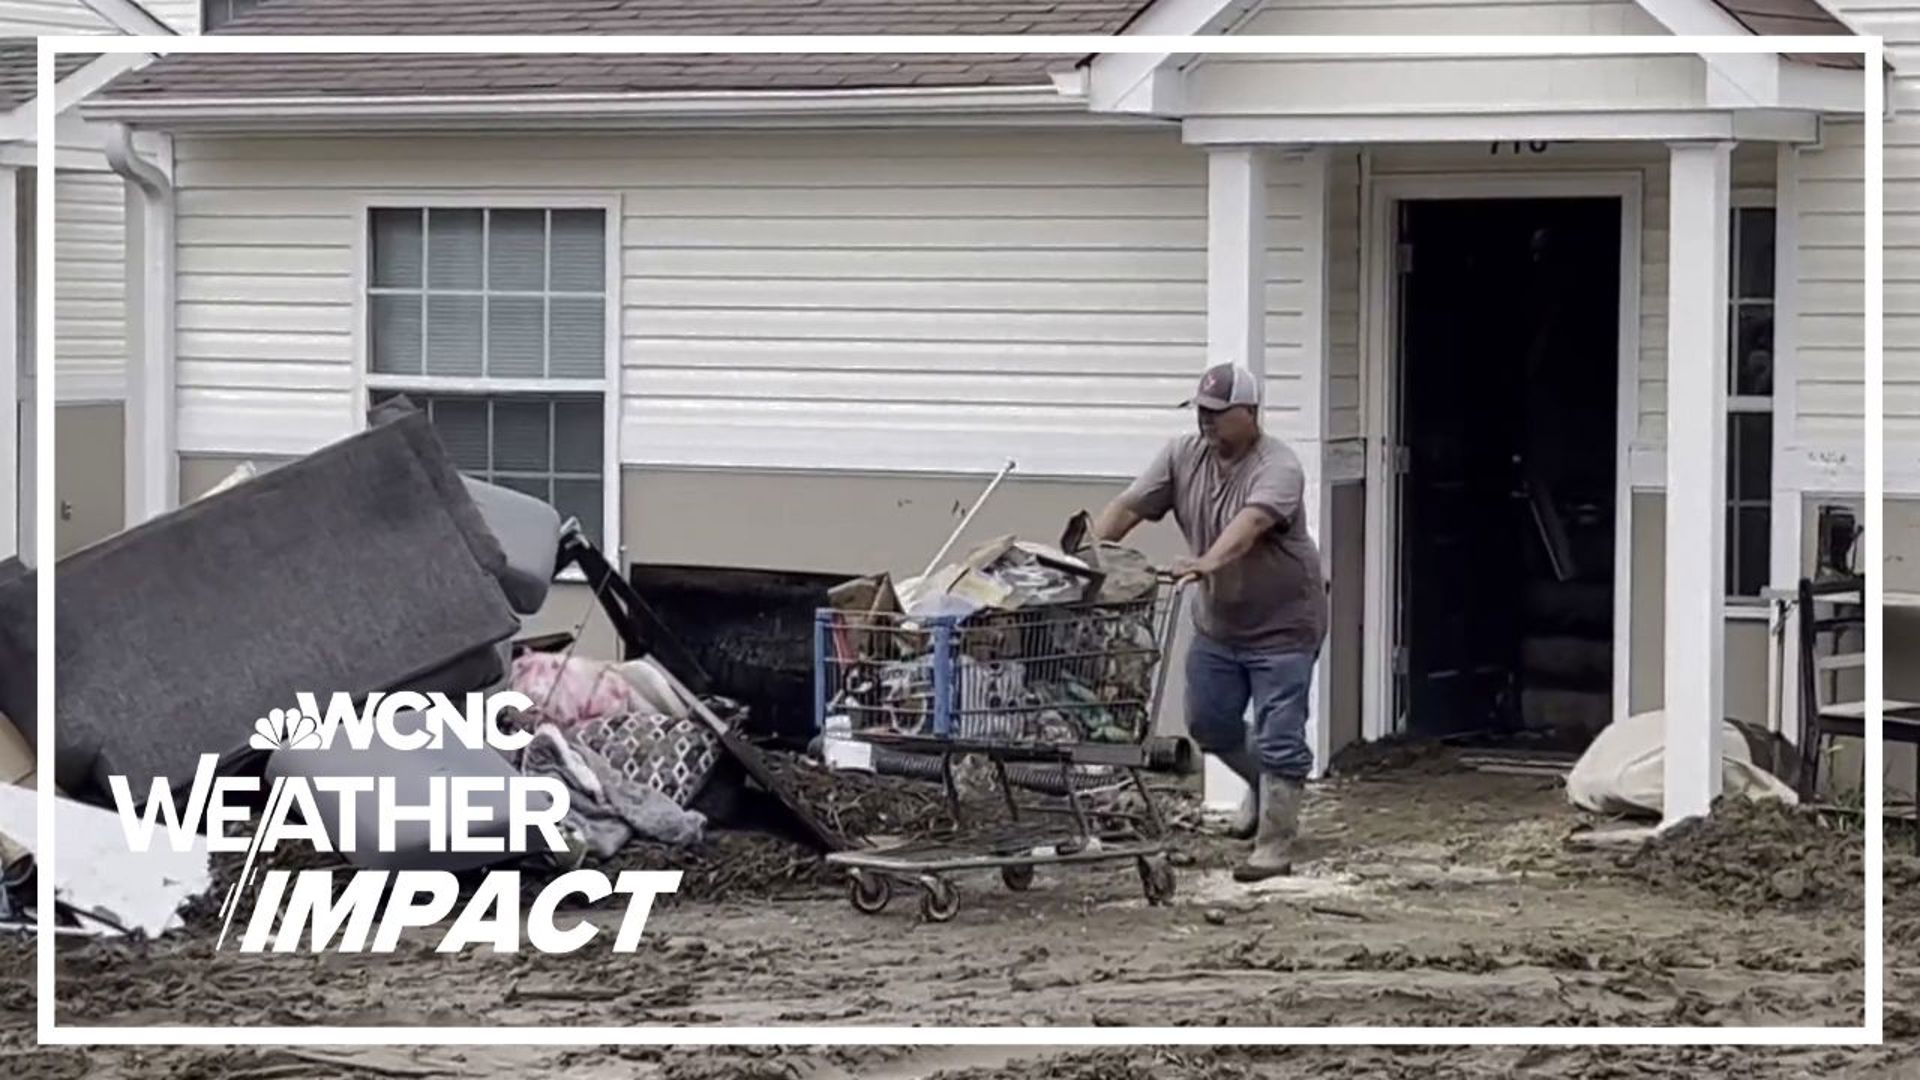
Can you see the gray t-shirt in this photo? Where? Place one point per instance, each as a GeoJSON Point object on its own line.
{"type": "Point", "coordinates": [1274, 596]}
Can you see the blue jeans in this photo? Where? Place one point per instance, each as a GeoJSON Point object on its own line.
{"type": "Point", "coordinates": [1223, 679]}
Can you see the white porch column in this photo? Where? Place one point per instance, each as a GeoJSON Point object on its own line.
{"type": "Point", "coordinates": [152, 410]}
{"type": "Point", "coordinates": [1236, 316]}
{"type": "Point", "coordinates": [1315, 171]}
{"type": "Point", "coordinates": [1697, 273]}
{"type": "Point", "coordinates": [1237, 256]}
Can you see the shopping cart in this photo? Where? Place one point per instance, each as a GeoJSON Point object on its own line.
{"type": "Point", "coordinates": [1065, 693]}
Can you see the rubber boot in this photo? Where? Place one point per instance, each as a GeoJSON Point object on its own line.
{"type": "Point", "coordinates": [1245, 821]}
{"type": "Point", "coordinates": [1246, 817]}
{"type": "Point", "coordinates": [1272, 854]}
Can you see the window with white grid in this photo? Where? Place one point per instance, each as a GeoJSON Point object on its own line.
{"type": "Point", "coordinates": [493, 319]}
{"type": "Point", "coordinates": [1750, 401]}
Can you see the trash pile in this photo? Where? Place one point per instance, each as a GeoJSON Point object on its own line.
{"type": "Point", "coordinates": [1018, 642]}
{"type": "Point", "coordinates": [366, 570]}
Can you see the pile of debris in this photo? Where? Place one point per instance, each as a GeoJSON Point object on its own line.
{"type": "Point", "coordinates": [406, 578]}
{"type": "Point", "coordinates": [1037, 644]}
{"type": "Point", "coordinates": [1752, 854]}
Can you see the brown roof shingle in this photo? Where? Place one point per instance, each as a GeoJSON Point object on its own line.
{"type": "Point", "coordinates": [1797, 18]}
{"type": "Point", "coordinates": [189, 75]}
{"type": "Point", "coordinates": [19, 69]}
{"type": "Point", "coordinates": [207, 75]}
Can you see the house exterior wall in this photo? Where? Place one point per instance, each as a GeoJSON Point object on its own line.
{"type": "Point", "coordinates": [829, 332]}
{"type": "Point", "coordinates": [917, 302]}
{"type": "Point", "coordinates": [1831, 255]}
{"type": "Point", "coordinates": [182, 15]}
{"type": "Point", "coordinates": [36, 18]}
{"type": "Point", "coordinates": [90, 298]}
{"type": "Point", "coordinates": [42, 17]}
{"type": "Point", "coordinates": [1827, 440]}
{"type": "Point", "coordinates": [89, 474]}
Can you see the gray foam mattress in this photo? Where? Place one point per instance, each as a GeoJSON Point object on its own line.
{"type": "Point", "coordinates": [352, 570]}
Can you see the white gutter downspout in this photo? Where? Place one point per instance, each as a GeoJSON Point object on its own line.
{"type": "Point", "coordinates": [152, 471]}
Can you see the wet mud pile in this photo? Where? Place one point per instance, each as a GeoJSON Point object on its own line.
{"type": "Point", "coordinates": [1750, 855]}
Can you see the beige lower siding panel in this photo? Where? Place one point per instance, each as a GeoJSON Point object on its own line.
{"type": "Point", "coordinates": [89, 475]}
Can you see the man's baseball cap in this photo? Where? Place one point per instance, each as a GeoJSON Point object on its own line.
{"type": "Point", "coordinates": [1224, 386]}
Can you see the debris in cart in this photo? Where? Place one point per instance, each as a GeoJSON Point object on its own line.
{"type": "Point", "coordinates": [1056, 686]}
{"type": "Point", "coordinates": [1004, 574]}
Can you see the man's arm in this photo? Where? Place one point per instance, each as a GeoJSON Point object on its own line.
{"type": "Point", "coordinates": [1148, 498]}
{"type": "Point", "coordinates": [1235, 540]}
{"type": "Point", "coordinates": [1116, 521]}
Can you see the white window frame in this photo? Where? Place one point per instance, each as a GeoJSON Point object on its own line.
{"type": "Point", "coordinates": [367, 381]}
{"type": "Point", "coordinates": [1738, 606]}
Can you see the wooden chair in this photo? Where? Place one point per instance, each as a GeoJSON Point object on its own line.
{"type": "Point", "coordinates": [1827, 716]}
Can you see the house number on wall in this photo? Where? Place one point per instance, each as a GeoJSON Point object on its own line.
{"type": "Point", "coordinates": [1534, 146]}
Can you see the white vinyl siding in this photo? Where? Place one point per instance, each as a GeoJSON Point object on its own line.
{"type": "Point", "coordinates": [90, 291]}
{"type": "Point", "coordinates": [36, 18]}
{"type": "Point", "coordinates": [183, 16]}
{"type": "Point", "coordinates": [1829, 326]}
{"type": "Point", "coordinates": [935, 301]}
{"type": "Point", "coordinates": [1831, 394]}
{"type": "Point", "coordinates": [1239, 84]}
{"type": "Point", "coordinates": [1345, 419]}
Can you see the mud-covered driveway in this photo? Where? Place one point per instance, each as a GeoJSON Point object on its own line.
{"type": "Point", "coordinates": [1431, 896]}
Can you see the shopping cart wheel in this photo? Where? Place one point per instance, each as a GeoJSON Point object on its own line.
{"type": "Point", "coordinates": [869, 893]}
{"type": "Point", "coordinates": [1018, 877]}
{"type": "Point", "coordinates": [940, 902]}
{"type": "Point", "coordinates": [1156, 878]}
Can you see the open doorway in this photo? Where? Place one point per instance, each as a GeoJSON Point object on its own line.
{"type": "Point", "coordinates": [1508, 354]}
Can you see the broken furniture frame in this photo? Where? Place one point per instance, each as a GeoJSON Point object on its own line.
{"type": "Point", "coordinates": [1821, 717]}
{"type": "Point", "coordinates": [643, 634]}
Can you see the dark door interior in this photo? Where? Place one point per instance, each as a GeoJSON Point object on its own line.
{"type": "Point", "coordinates": [1509, 360]}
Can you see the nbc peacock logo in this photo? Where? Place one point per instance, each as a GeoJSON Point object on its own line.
{"type": "Point", "coordinates": [285, 729]}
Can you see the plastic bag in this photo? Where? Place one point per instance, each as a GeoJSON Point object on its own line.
{"type": "Point", "coordinates": [1624, 769]}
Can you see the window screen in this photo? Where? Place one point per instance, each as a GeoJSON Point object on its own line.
{"type": "Point", "coordinates": [474, 293]}
{"type": "Point", "coordinates": [547, 445]}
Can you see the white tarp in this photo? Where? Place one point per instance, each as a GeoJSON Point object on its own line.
{"type": "Point", "coordinates": [1624, 770]}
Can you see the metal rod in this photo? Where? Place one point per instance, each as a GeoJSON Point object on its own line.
{"type": "Point", "coordinates": [953, 537]}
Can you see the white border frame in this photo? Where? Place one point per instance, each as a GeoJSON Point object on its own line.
{"type": "Point", "coordinates": [364, 202]}
{"type": "Point", "coordinates": [12, 456]}
{"type": "Point", "coordinates": [1871, 1031]}
{"type": "Point", "coordinates": [1380, 376]}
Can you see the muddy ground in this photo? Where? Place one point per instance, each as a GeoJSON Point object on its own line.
{"type": "Point", "coordinates": [1429, 895]}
